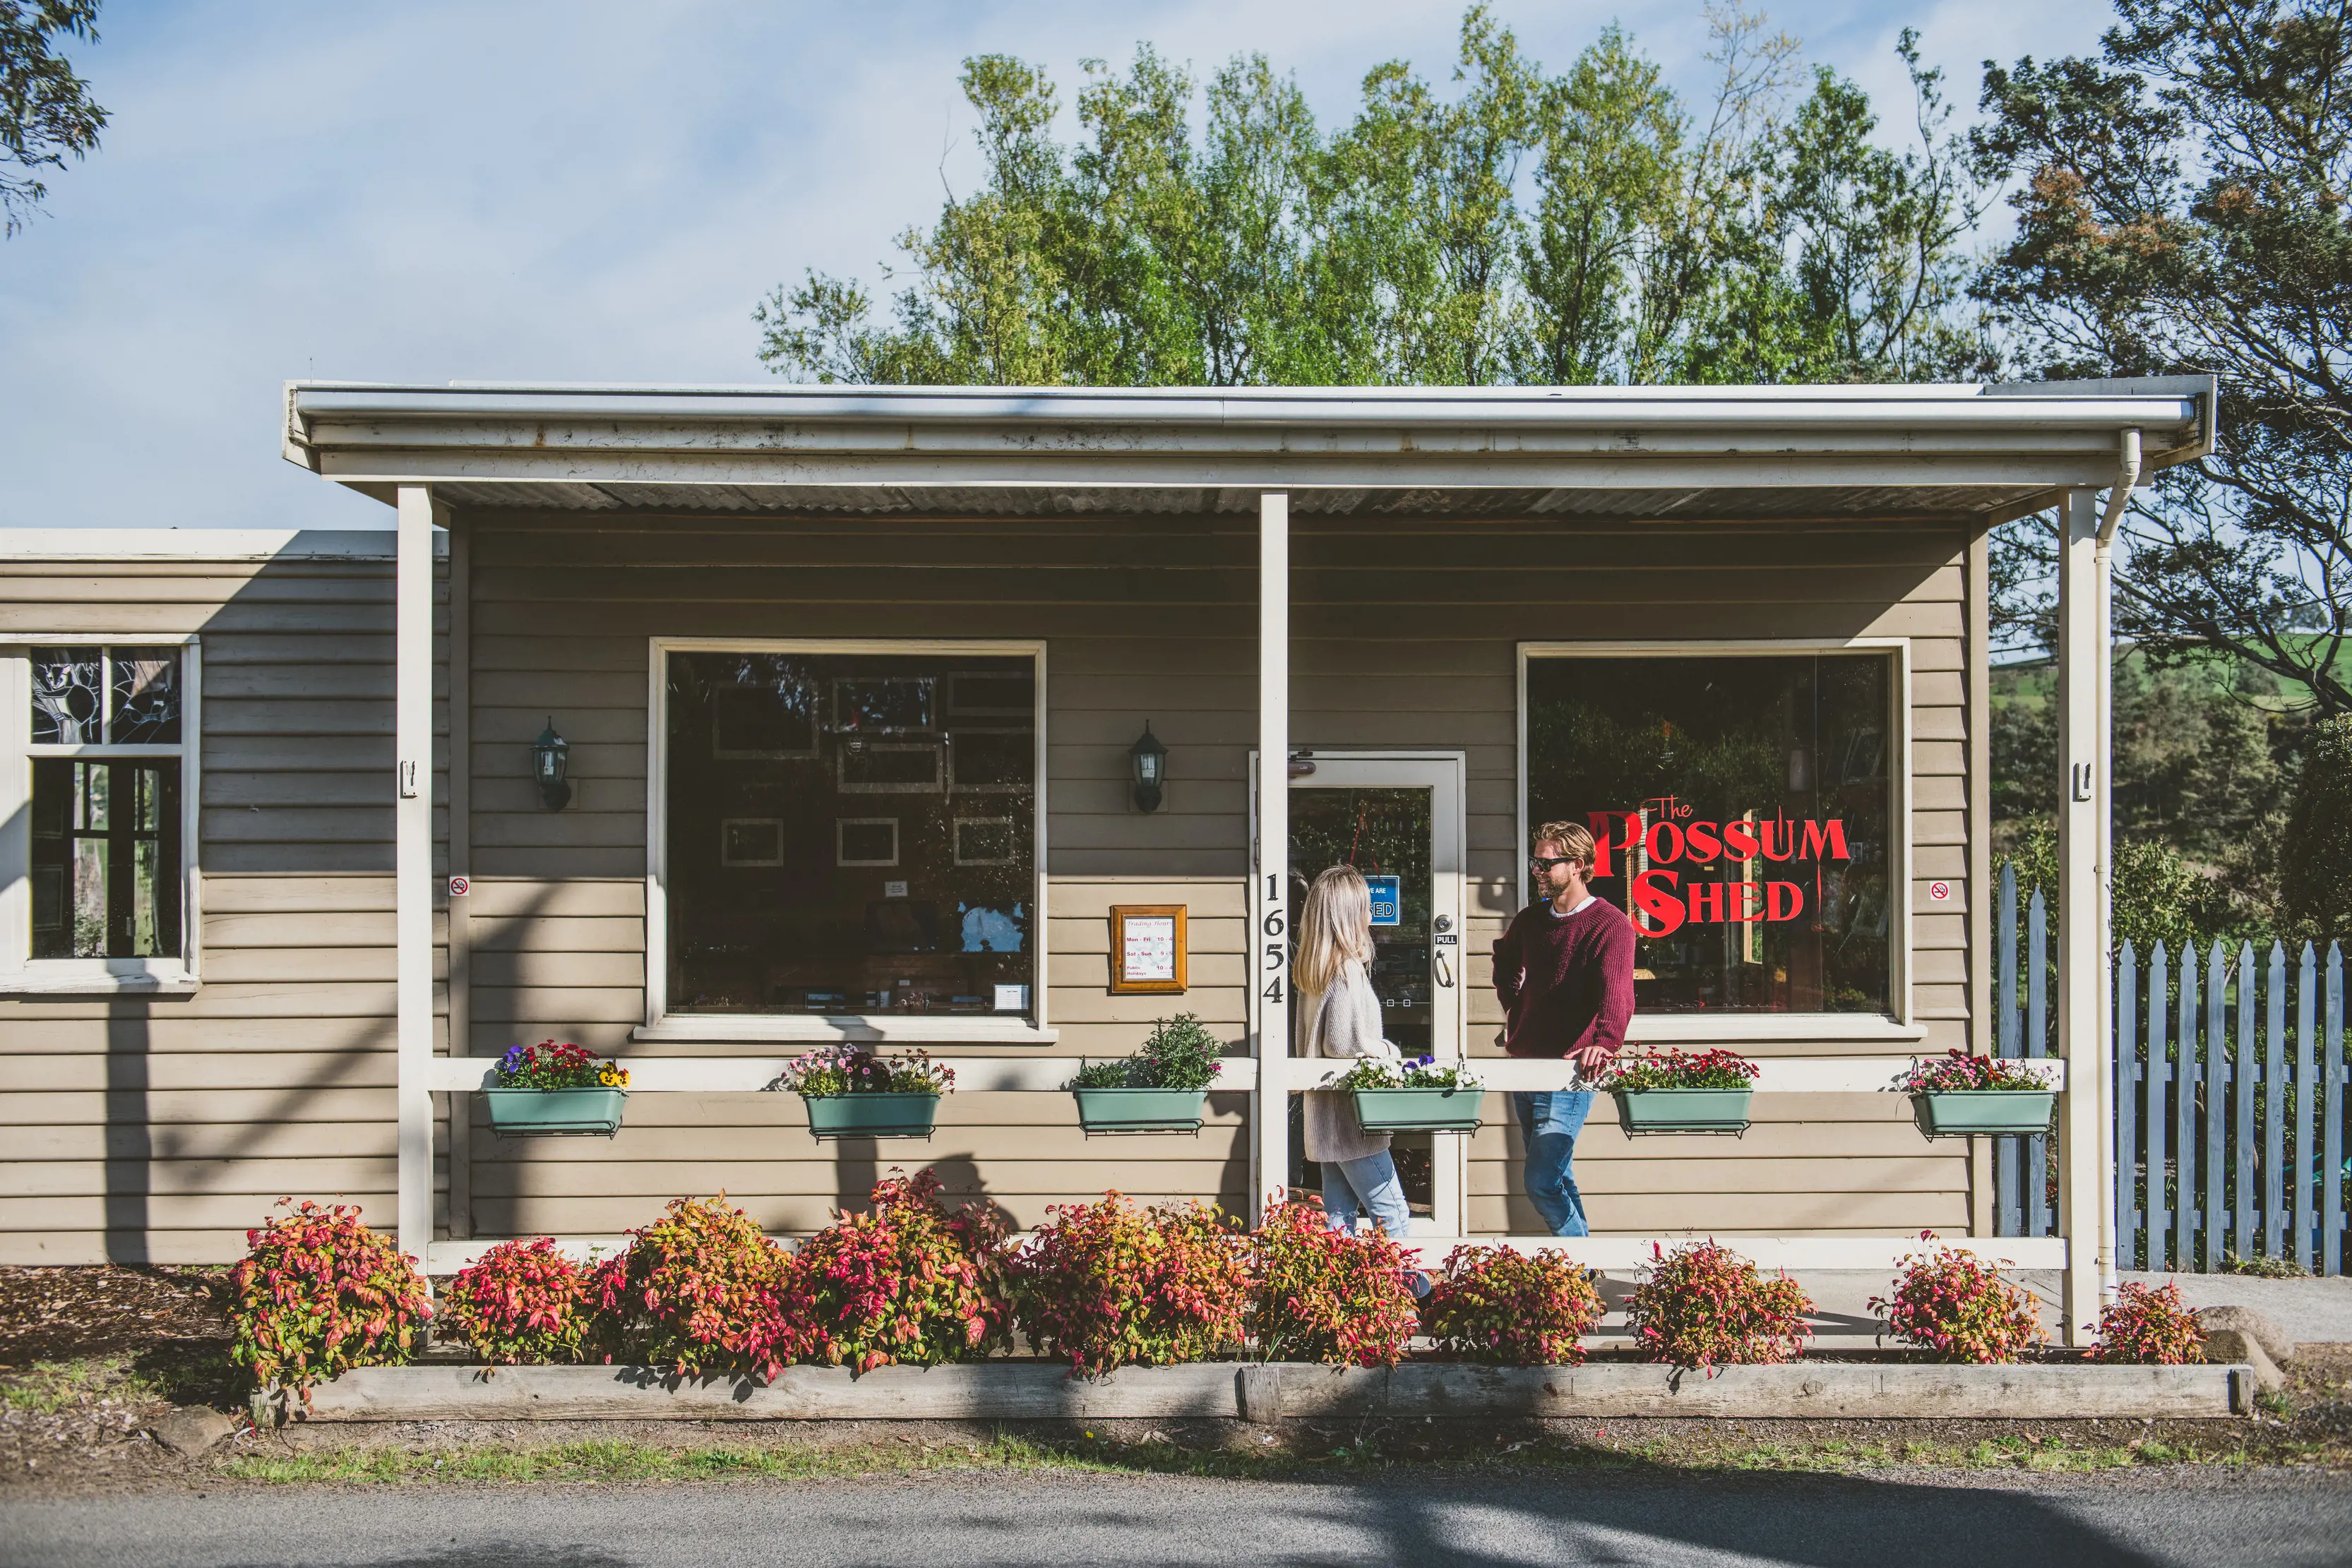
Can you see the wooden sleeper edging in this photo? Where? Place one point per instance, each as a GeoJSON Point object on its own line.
{"type": "Point", "coordinates": [1271, 1391]}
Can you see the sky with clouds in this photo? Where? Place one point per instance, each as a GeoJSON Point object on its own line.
{"type": "Point", "coordinates": [588, 189]}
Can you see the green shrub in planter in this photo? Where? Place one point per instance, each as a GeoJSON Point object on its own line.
{"type": "Point", "coordinates": [1959, 1095]}
{"type": "Point", "coordinates": [1704, 1305]}
{"type": "Point", "coordinates": [1956, 1307]}
{"type": "Point", "coordinates": [1162, 1088]}
{"type": "Point", "coordinates": [853, 1093]}
{"type": "Point", "coordinates": [523, 1303]}
{"type": "Point", "coordinates": [1414, 1096]}
{"type": "Point", "coordinates": [1511, 1309]}
{"type": "Point", "coordinates": [318, 1293]}
{"type": "Point", "coordinates": [1674, 1092]}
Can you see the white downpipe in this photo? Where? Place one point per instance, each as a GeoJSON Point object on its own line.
{"type": "Point", "coordinates": [2127, 470]}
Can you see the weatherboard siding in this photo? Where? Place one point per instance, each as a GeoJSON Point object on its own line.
{"type": "Point", "coordinates": [163, 1127]}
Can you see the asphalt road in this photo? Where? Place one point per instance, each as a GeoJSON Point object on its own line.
{"type": "Point", "coordinates": [2150, 1517]}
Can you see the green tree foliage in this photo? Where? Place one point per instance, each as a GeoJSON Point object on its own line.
{"type": "Point", "coordinates": [2315, 871]}
{"type": "Point", "coordinates": [2201, 767]}
{"type": "Point", "coordinates": [46, 110]}
{"type": "Point", "coordinates": [1583, 228]}
{"type": "Point", "coordinates": [2180, 206]}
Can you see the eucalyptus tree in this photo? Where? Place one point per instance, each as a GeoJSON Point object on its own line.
{"type": "Point", "coordinates": [46, 110]}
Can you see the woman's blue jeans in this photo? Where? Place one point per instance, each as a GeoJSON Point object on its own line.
{"type": "Point", "coordinates": [1551, 1119]}
{"type": "Point", "coordinates": [1352, 1188]}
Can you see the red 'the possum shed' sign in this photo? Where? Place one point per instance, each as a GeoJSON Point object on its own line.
{"type": "Point", "coordinates": [1667, 834]}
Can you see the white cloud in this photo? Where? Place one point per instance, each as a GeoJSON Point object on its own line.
{"type": "Point", "coordinates": [581, 190]}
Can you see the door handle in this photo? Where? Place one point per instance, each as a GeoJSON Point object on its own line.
{"type": "Point", "coordinates": [1444, 973]}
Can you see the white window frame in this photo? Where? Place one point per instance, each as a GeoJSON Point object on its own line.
{"type": "Point", "coordinates": [885, 1028]}
{"type": "Point", "coordinates": [1903, 1024]}
{"type": "Point", "coordinates": [22, 974]}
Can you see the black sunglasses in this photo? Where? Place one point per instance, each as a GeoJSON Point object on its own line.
{"type": "Point", "coordinates": [1541, 864]}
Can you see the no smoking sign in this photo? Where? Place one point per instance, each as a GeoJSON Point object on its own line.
{"type": "Point", "coordinates": [1940, 891]}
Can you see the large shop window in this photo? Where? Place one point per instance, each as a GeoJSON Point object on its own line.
{"type": "Point", "coordinates": [852, 833]}
{"type": "Point", "coordinates": [1745, 810]}
{"type": "Point", "coordinates": [102, 786]}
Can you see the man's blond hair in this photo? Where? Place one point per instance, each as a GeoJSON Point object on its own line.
{"type": "Point", "coordinates": [1575, 841]}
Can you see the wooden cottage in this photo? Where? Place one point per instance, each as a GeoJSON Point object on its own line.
{"type": "Point", "coordinates": [704, 727]}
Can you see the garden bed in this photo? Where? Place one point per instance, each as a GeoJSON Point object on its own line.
{"type": "Point", "coordinates": [1263, 1392]}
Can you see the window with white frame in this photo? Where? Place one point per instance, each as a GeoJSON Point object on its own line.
{"type": "Point", "coordinates": [849, 832]}
{"type": "Point", "coordinates": [101, 806]}
{"type": "Point", "coordinates": [1744, 809]}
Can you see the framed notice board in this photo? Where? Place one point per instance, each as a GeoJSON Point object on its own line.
{"type": "Point", "coordinates": [1146, 947]}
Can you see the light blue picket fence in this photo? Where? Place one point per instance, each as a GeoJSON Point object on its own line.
{"type": "Point", "coordinates": [2230, 1091]}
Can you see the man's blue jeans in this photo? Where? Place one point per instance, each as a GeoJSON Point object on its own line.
{"type": "Point", "coordinates": [1551, 1119]}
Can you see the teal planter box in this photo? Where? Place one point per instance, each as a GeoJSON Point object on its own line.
{"type": "Point", "coordinates": [1418, 1109]}
{"type": "Point", "coordinates": [871, 1115]}
{"type": "Point", "coordinates": [1963, 1112]}
{"type": "Point", "coordinates": [522, 1113]}
{"type": "Point", "coordinates": [1682, 1110]}
{"type": "Point", "coordinates": [1141, 1110]}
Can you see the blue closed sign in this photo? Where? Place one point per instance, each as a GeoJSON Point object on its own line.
{"type": "Point", "coordinates": [1387, 902]}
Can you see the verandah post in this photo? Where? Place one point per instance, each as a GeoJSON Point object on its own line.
{"type": "Point", "coordinates": [2082, 1187]}
{"type": "Point", "coordinates": [411, 864]}
{"type": "Point", "coordinates": [1269, 903]}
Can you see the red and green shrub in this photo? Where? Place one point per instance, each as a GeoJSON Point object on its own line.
{"type": "Point", "coordinates": [701, 1289]}
{"type": "Point", "coordinates": [1706, 1306]}
{"type": "Point", "coordinates": [1511, 1309]}
{"type": "Point", "coordinates": [1109, 1285]}
{"type": "Point", "coordinates": [318, 1293]}
{"type": "Point", "coordinates": [1319, 1295]}
{"type": "Point", "coordinates": [2148, 1325]}
{"type": "Point", "coordinates": [523, 1304]}
{"type": "Point", "coordinates": [1956, 1307]}
{"type": "Point", "coordinates": [907, 1282]}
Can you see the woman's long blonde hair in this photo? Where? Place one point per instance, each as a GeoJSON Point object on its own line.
{"type": "Point", "coordinates": [1335, 929]}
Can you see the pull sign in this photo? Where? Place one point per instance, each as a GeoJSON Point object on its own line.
{"type": "Point", "coordinates": [2081, 773]}
{"type": "Point", "coordinates": [408, 780]}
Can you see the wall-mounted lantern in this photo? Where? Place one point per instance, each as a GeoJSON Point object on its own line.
{"type": "Point", "coordinates": [550, 758]}
{"type": "Point", "coordinates": [1149, 759]}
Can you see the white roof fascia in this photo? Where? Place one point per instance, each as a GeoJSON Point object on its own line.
{"type": "Point", "coordinates": [1207, 437]}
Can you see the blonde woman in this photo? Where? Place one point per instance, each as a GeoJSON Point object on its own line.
{"type": "Point", "coordinates": [1339, 1014]}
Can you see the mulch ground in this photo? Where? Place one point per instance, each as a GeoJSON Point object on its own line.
{"type": "Point", "coordinates": [56, 1315]}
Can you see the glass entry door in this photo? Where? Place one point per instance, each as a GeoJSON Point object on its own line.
{"type": "Point", "coordinates": [1397, 820]}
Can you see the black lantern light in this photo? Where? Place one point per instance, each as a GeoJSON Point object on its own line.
{"type": "Point", "coordinates": [550, 757]}
{"type": "Point", "coordinates": [1151, 761]}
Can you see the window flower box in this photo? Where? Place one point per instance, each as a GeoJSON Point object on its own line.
{"type": "Point", "coordinates": [1112, 1108]}
{"type": "Point", "coordinates": [854, 1094]}
{"type": "Point", "coordinates": [1682, 1110]}
{"type": "Point", "coordinates": [1674, 1092]}
{"type": "Point", "coordinates": [1162, 1088]}
{"type": "Point", "coordinates": [1416, 1096]}
{"type": "Point", "coordinates": [1959, 1096]}
{"type": "Point", "coordinates": [550, 1089]}
{"type": "Point", "coordinates": [882, 1116]}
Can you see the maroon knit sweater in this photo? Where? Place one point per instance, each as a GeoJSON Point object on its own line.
{"type": "Point", "coordinates": [1566, 982]}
